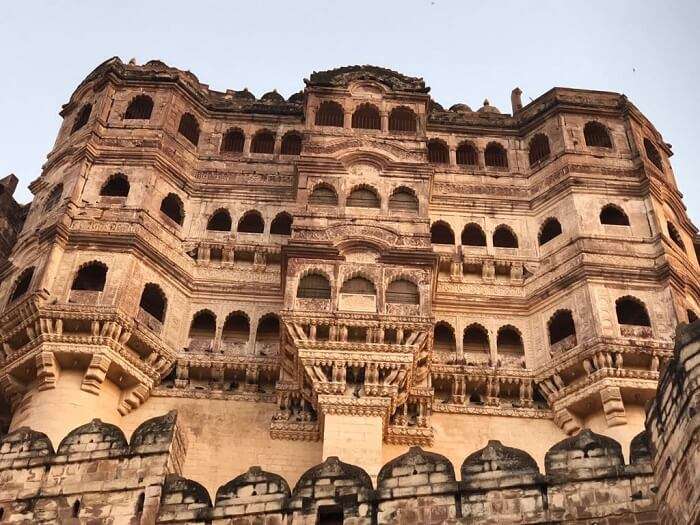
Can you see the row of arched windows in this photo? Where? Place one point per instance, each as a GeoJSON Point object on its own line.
{"type": "Point", "coordinates": [365, 196]}
{"type": "Point", "coordinates": [317, 286]}
{"type": "Point", "coordinates": [262, 142]}
{"type": "Point", "coordinates": [366, 116]}
{"type": "Point", "coordinates": [236, 327]}
{"type": "Point", "coordinates": [494, 154]}
{"type": "Point", "coordinates": [504, 237]}
{"type": "Point", "coordinates": [475, 339]}
{"type": "Point", "coordinates": [250, 222]}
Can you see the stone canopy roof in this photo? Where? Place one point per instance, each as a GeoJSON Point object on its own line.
{"type": "Point", "coordinates": [342, 76]}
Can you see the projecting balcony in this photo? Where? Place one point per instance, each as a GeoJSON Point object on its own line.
{"type": "Point", "coordinates": [641, 332]}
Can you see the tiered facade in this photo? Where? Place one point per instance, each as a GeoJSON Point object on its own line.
{"type": "Point", "coordinates": [352, 273]}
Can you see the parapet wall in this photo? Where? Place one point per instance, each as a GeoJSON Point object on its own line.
{"type": "Point", "coordinates": [95, 476]}
{"type": "Point", "coordinates": [673, 426]}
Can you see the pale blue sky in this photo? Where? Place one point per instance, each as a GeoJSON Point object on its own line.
{"type": "Point", "coordinates": [465, 50]}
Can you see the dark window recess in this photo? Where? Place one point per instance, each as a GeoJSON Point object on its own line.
{"type": "Point", "coordinates": [220, 221]}
{"type": "Point", "coordinates": [631, 311]}
{"type": "Point", "coordinates": [92, 276]}
{"type": "Point", "coordinates": [140, 107]}
{"type": "Point", "coordinates": [263, 142]}
{"type": "Point", "coordinates": [251, 222]}
{"type": "Point", "coordinates": [438, 153]}
{"type": "Point", "coordinates": [22, 284]}
{"type": "Point", "coordinates": [233, 141]}
{"type": "Point", "coordinates": [330, 114]}
{"type": "Point", "coordinates": [314, 286]}
{"type": "Point", "coordinates": [291, 144]}
{"type": "Point", "coordinates": [550, 229]}
{"type": "Point", "coordinates": [473, 235]}
{"type": "Point", "coordinates": [402, 120]}
{"type": "Point", "coordinates": [561, 326]}
{"type": "Point", "coordinates": [153, 301]}
{"type": "Point", "coordinates": [539, 148]}
{"type": "Point", "coordinates": [611, 214]}
{"type": "Point", "coordinates": [441, 233]}
{"type": "Point", "coordinates": [403, 200]}
{"type": "Point", "coordinates": [366, 116]}
{"type": "Point", "coordinates": [189, 128]}
{"type": "Point", "coordinates": [467, 155]}
{"type": "Point", "coordinates": [116, 186]}
{"type": "Point", "coordinates": [54, 197]}
{"type": "Point", "coordinates": [330, 515]}
{"type": "Point", "coordinates": [675, 235]}
{"type": "Point", "coordinates": [282, 224]}
{"type": "Point", "coordinates": [495, 155]}
{"type": "Point", "coordinates": [172, 206]}
{"type": "Point", "coordinates": [653, 154]}
{"type": "Point", "coordinates": [596, 135]}
{"type": "Point", "coordinates": [82, 117]}
{"type": "Point", "coordinates": [503, 237]}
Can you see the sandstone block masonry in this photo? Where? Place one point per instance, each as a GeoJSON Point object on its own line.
{"type": "Point", "coordinates": [319, 283]}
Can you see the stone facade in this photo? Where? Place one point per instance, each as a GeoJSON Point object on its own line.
{"type": "Point", "coordinates": [343, 295]}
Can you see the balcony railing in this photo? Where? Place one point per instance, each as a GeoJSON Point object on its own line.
{"type": "Point", "coordinates": [356, 302]}
{"type": "Point", "coordinates": [643, 332]}
{"type": "Point", "coordinates": [84, 297]}
{"type": "Point", "coordinates": [563, 345]}
{"type": "Point", "coordinates": [153, 324]}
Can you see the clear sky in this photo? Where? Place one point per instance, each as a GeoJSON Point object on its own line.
{"type": "Point", "coordinates": [465, 50]}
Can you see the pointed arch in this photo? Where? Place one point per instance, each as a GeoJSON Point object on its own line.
{"type": "Point", "coordinates": [81, 118]}
{"type": "Point", "coordinates": [314, 286]}
{"type": "Point", "coordinates": [189, 128]}
{"type": "Point", "coordinates": [538, 148]}
{"type": "Point", "coordinates": [22, 283]}
{"type": "Point", "coordinates": [203, 325]}
{"type": "Point", "coordinates": [330, 113]}
{"type": "Point", "coordinates": [154, 301]}
{"type": "Point", "coordinates": [251, 222]}
{"type": "Point", "coordinates": [614, 215]}
{"type": "Point", "coordinates": [476, 339]}
{"type": "Point", "coordinates": [473, 235]}
{"type": "Point", "coordinates": [173, 208]}
{"type": "Point", "coordinates": [363, 196]}
{"type": "Point", "coordinates": [441, 233]}
{"type": "Point", "coordinates": [263, 142]}
{"type": "Point", "coordinates": [509, 341]}
{"type": "Point", "coordinates": [236, 327]}
{"type": "Point", "coordinates": [366, 116]}
{"type": "Point", "coordinates": [550, 229]}
{"type": "Point", "coordinates": [220, 221]}
{"type": "Point", "coordinates": [140, 107]}
{"type": "Point", "coordinates": [402, 120]}
{"type": "Point", "coordinates": [402, 291]}
{"type": "Point", "coordinates": [560, 326]}
{"type": "Point", "coordinates": [504, 237]}
{"type": "Point", "coordinates": [495, 155]}
{"type": "Point", "coordinates": [403, 198]}
{"type": "Point", "coordinates": [117, 185]}
{"type": "Point", "coordinates": [438, 152]}
{"type": "Point", "coordinates": [631, 311]}
{"type": "Point", "coordinates": [596, 135]}
{"type": "Point", "coordinates": [467, 154]}
{"type": "Point", "coordinates": [291, 143]}
{"type": "Point", "coordinates": [281, 224]}
{"type": "Point", "coordinates": [233, 141]}
{"type": "Point", "coordinates": [90, 276]}
{"type": "Point", "coordinates": [444, 337]}
{"type": "Point", "coordinates": [323, 194]}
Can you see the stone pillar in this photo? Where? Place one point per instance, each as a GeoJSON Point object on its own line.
{"type": "Point", "coordinates": [354, 439]}
{"type": "Point", "coordinates": [385, 122]}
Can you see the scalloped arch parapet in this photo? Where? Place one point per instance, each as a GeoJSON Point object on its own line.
{"type": "Point", "coordinates": [495, 460]}
{"type": "Point", "coordinates": [416, 462]}
{"type": "Point", "coordinates": [24, 443]}
{"type": "Point", "coordinates": [156, 430]}
{"type": "Point", "coordinates": [333, 468]}
{"type": "Point", "coordinates": [184, 491]}
{"type": "Point", "coordinates": [108, 436]}
{"type": "Point", "coordinates": [343, 76]}
{"type": "Point", "coordinates": [255, 482]}
{"type": "Point", "coordinates": [640, 449]}
{"type": "Point", "coordinates": [584, 454]}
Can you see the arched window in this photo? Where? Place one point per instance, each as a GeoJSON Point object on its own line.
{"type": "Point", "coordinates": [673, 233]}
{"type": "Point", "coordinates": [653, 154]}
{"type": "Point", "coordinates": [91, 276]}
{"type": "Point", "coordinates": [76, 508]}
{"type": "Point", "coordinates": [596, 134]}
{"type": "Point", "coordinates": [403, 199]}
{"type": "Point", "coordinates": [81, 118]}
{"type": "Point", "coordinates": [323, 195]}
{"type": "Point", "coordinates": [233, 141]}
{"type": "Point", "coordinates": [189, 128]}
{"type": "Point", "coordinates": [172, 207]}
{"type": "Point", "coordinates": [473, 235]}
{"type": "Point", "coordinates": [549, 230]}
{"type": "Point", "coordinates": [281, 224]}
{"type": "Point", "coordinates": [631, 311]}
{"type": "Point", "coordinates": [402, 119]}
{"type": "Point", "coordinates": [291, 143]}
{"type": "Point", "coordinates": [363, 197]}
{"type": "Point", "coordinates": [203, 325]}
{"type": "Point", "coordinates": [692, 316]}
{"type": "Point", "coordinates": [330, 114]}
{"type": "Point", "coordinates": [116, 186]}
{"type": "Point", "coordinates": [612, 214]}
{"type": "Point", "coordinates": [509, 341]}
{"type": "Point", "coordinates": [441, 233]}
{"type": "Point", "coordinates": [220, 221]}
{"type": "Point", "coordinates": [54, 197]}
{"type": "Point", "coordinates": [467, 154]}
{"type": "Point", "coordinates": [504, 237]}
{"type": "Point", "coordinates": [251, 222]}
{"type": "Point", "coordinates": [438, 152]}
{"type": "Point", "coordinates": [140, 107]}
{"type": "Point", "coordinates": [539, 148]}
{"type": "Point", "coordinates": [22, 284]}
{"type": "Point", "coordinates": [236, 328]}
{"type": "Point", "coordinates": [366, 116]}
{"type": "Point", "coordinates": [444, 337]}
{"type": "Point", "coordinates": [561, 325]}
{"type": "Point", "coordinates": [495, 155]}
{"type": "Point", "coordinates": [402, 291]}
{"type": "Point", "coordinates": [358, 285]}
{"type": "Point", "coordinates": [268, 329]}
{"type": "Point", "coordinates": [476, 339]}
{"type": "Point", "coordinates": [153, 301]}
{"type": "Point", "coordinates": [314, 286]}
{"type": "Point", "coordinates": [263, 142]}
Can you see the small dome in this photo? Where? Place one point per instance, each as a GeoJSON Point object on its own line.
{"type": "Point", "coordinates": [461, 108]}
{"type": "Point", "coordinates": [495, 459]}
{"type": "Point", "coordinates": [244, 94]}
{"type": "Point", "coordinates": [488, 108]}
{"type": "Point", "coordinates": [296, 98]}
{"type": "Point", "coordinates": [272, 96]}
{"type": "Point", "coordinates": [436, 106]}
